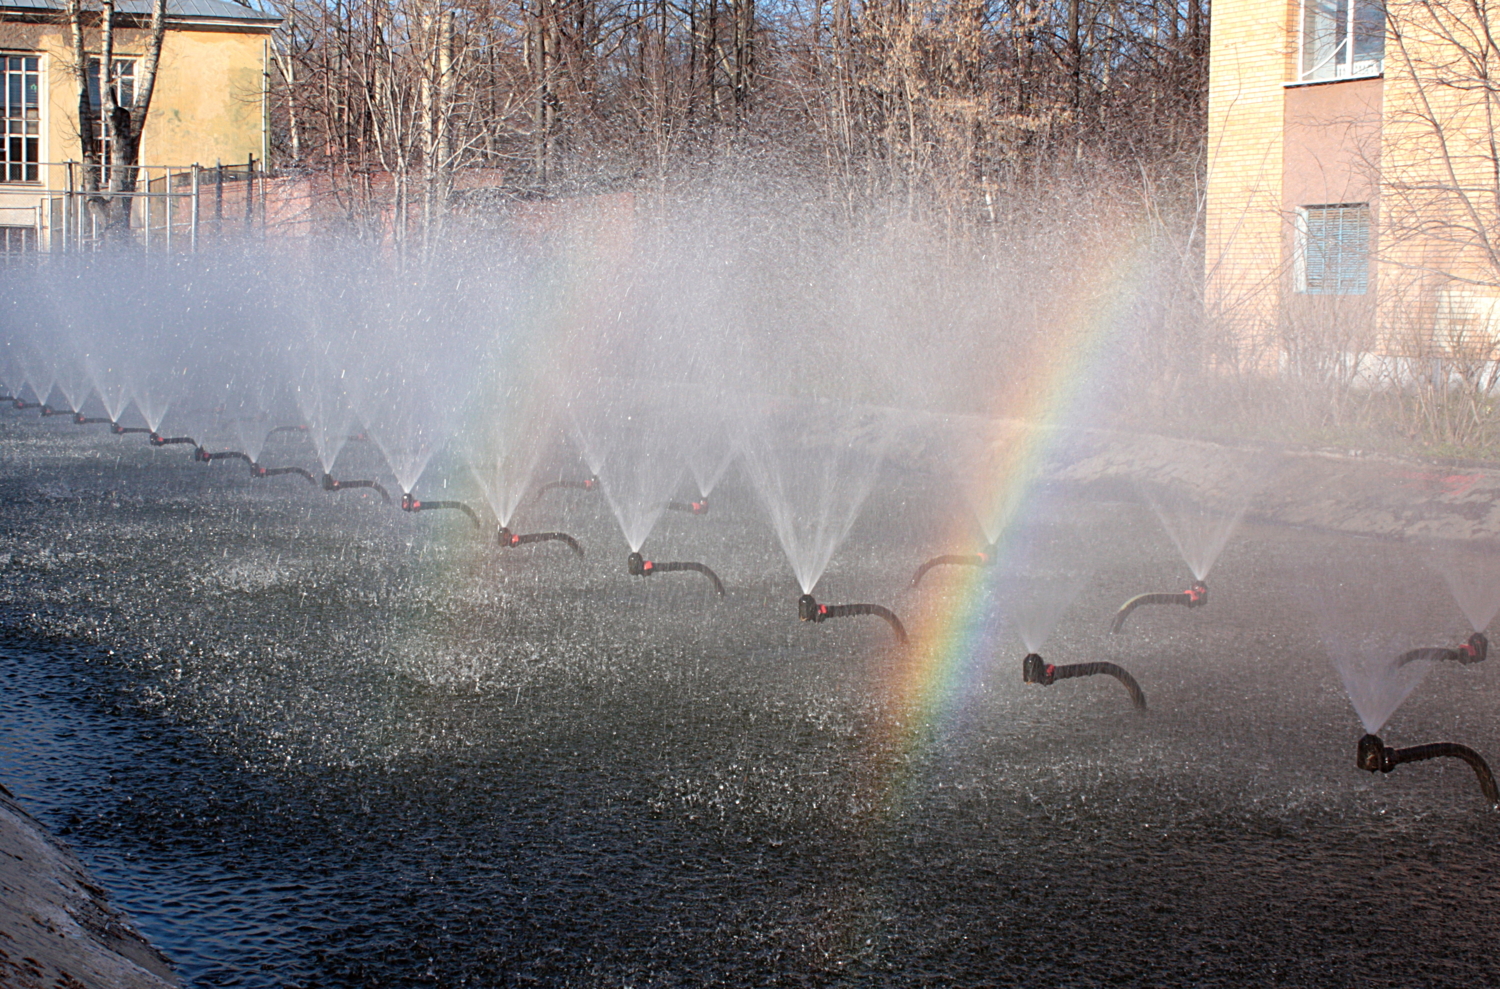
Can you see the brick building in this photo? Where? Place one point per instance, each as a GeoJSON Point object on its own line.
{"type": "Point", "coordinates": [1352, 191]}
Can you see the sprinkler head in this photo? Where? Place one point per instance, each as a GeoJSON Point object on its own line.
{"type": "Point", "coordinates": [1373, 756]}
{"type": "Point", "coordinates": [1035, 669]}
{"type": "Point", "coordinates": [1197, 594]}
{"type": "Point", "coordinates": [116, 428]}
{"type": "Point", "coordinates": [157, 439]}
{"type": "Point", "coordinates": [80, 418]}
{"type": "Point", "coordinates": [808, 609]}
{"type": "Point", "coordinates": [201, 455]}
{"type": "Point", "coordinates": [1476, 650]}
{"type": "Point", "coordinates": [507, 538]}
{"type": "Point", "coordinates": [638, 565]}
{"type": "Point", "coordinates": [329, 484]}
{"type": "Point", "coordinates": [256, 470]}
{"type": "Point", "coordinates": [410, 504]}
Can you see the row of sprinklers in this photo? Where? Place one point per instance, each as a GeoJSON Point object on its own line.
{"type": "Point", "coordinates": [223, 393]}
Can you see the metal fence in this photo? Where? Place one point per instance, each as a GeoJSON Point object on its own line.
{"type": "Point", "coordinates": [174, 208]}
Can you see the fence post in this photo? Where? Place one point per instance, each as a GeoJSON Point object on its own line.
{"type": "Point", "coordinates": [249, 193]}
{"type": "Point", "coordinates": [193, 230]}
{"type": "Point", "coordinates": [67, 213]}
{"type": "Point", "coordinates": [166, 185]}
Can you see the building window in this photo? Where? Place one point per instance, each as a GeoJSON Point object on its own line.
{"type": "Point", "coordinates": [1333, 249]}
{"type": "Point", "coordinates": [20, 110]}
{"type": "Point", "coordinates": [15, 241]}
{"type": "Point", "coordinates": [1341, 39]}
{"type": "Point", "coordinates": [123, 84]}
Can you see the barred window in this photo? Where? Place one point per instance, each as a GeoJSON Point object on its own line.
{"type": "Point", "coordinates": [20, 111]}
{"type": "Point", "coordinates": [1333, 249]}
{"type": "Point", "coordinates": [1341, 39]}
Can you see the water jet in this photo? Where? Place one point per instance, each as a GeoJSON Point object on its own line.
{"type": "Point", "coordinates": [1475, 650]}
{"type": "Point", "coordinates": [809, 610]}
{"type": "Point", "coordinates": [639, 566]}
{"type": "Point", "coordinates": [410, 504]}
{"type": "Point", "coordinates": [1034, 669]}
{"type": "Point", "coordinates": [514, 539]}
{"type": "Point", "coordinates": [1196, 596]}
{"type": "Point", "coordinates": [1373, 755]}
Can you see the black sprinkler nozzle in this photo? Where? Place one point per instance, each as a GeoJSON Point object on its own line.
{"type": "Point", "coordinates": [950, 560]}
{"type": "Point", "coordinates": [159, 440]}
{"type": "Point", "coordinates": [699, 507]}
{"type": "Point", "coordinates": [83, 420]}
{"type": "Point", "coordinates": [1373, 755]}
{"type": "Point", "coordinates": [1475, 650]}
{"type": "Point", "coordinates": [1034, 669]}
{"type": "Point", "coordinates": [809, 610]}
{"type": "Point", "coordinates": [639, 566]}
{"type": "Point", "coordinates": [410, 504]}
{"type": "Point", "coordinates": [330, 484]}
{"type": "Point", "coordinates": [256, 470]}
{"type": "Point", "coordinates": [514, 539]}
{"type": "Point", "coordinates": [1196, 596]}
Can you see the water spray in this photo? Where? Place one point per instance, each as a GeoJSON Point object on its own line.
{"type": "Point", "coordinates": [1195, 596]}
{"type": "Point", "coordinates": [514, 539]}
{"type": "Point", "coordinates": [410, 504]}
{"type": "Point", "coordinates": [639, 566]}
{"type": "Point", "coordinates": [1375, 756]}
{"type": "Point", "coordinates": [1034, 669]}
{"type": "Point", "coordinates": [1475, 650]}
{"type": "Point", "coordinates": [329, 484]}
{"type": "Point", "coordinates": [256, 470]}
{"type": "Point", "coordinates": [951, 560]}
{"type": "Point", "coordinates": [590, 483]}
{"type": "Point", "coordinates": [809, 610]}
{"type": "Point", "coordinates": [699, 507]}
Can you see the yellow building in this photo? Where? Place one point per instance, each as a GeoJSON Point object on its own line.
{"type": "Point", "coordinates": [208, 106]}
{"type": "Point", "coordinates": [1352, 190]}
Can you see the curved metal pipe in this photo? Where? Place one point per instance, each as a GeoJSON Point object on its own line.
{"type": "Point", "coordinates": [950, 560]}
{"type": "Point", "coordinates": [1195, 596]}
{"type": "Point", "coordinates": [699, 507]}
{"type": "Point", "coordinates": [639, 566]}
{"type": "Point", "coordinates": [1034, 669]}
{"type": "Point", "coordinates": [80, 419]}
{"type": "Point", "coordinates": [203, 456]}
{"type": "Point", "coordinates": [1375, 756]}
{"type": "Point", "coordinates": [1475, 650]}
{"type": "Point", "coordinates": [410, 504]}
{"type": "Point", "coordinates": [513, 539]}
{"type": "Point", "coordinates": [23, 405]}
{"type": "Point", "coordinates": [587, 484]}
{"type": "Point", "coordinates": [809, 610]}
{"type": "Point", "coordinates": [159, 440]}
{"type": "Point", "coordinates": [48, 410]}
{"type": "Point", "coordinates": [120, 430]}
{"type": "Point", "coordinates": [256, 470]}
{"type": "Point", "coordinates": [329, 484]}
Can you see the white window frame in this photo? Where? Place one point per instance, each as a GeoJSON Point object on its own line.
{"type": "Point", "coordinates": [40, 135]}
{"type": "Point", "coordinates": [1341, 63]}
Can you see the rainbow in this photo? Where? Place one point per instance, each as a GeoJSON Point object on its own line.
{"type": "Point", "coordinates": [954, 640]}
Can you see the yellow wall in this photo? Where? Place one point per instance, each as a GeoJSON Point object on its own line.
{"type": "Point", "coordinates": [208, 104]}
{"type": "Point", "coordinates": [1247, 65]}
{"type": "Point", "coordinates": [1438, 179]}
